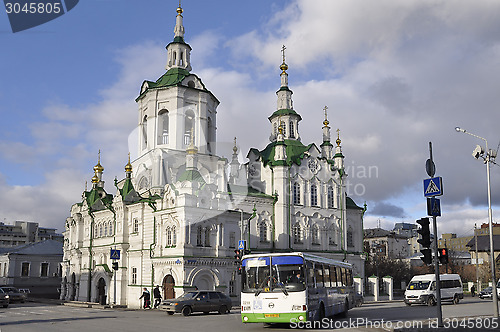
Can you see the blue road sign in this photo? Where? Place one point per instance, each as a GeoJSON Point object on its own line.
{"type": "Point", "coordinates": [115, 254]}
{"type": "Point", "coordinates": [241, 244]}
{"type": "Point", "coordinates": [433, 187]}
{"type": "Point", "coordinates": [433, 207]}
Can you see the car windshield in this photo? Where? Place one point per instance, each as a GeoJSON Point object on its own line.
{"type": "Point", "coordinates": [187, 296]}
{"type": "Point", "coordinates": [273, 274]}
{"type": "Point", "coordinates": [418, 285]}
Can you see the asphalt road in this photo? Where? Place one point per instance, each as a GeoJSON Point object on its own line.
{"type": "Point", "coordinates": [38, 317]}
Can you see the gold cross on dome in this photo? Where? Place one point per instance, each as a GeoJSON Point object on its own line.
{"type": "Point", "coordinates": [325, 109]}
{"type": "Point", "coordinates": [283, 48]}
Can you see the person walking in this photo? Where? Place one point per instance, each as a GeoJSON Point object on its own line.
{"type": "Point", "coordinates": [147, 298]}
{"type": "Point", "coordinates": [157, 296]}
{"type": "Point", "coordinates": [473, 290]}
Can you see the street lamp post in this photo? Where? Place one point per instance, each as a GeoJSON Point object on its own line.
{"type": "Point", "coordinates": [487, 159]}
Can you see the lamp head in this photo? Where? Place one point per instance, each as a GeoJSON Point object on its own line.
{"type": "Point", "coordinates": [459, 130]}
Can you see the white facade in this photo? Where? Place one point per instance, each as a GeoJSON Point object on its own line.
{"type": "Point", "coordinates": [176, 217]}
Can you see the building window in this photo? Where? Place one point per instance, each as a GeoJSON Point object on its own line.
{"type": "Point", "coordinates": [163, 127]}
{"type": "Point", "coordinates": [110, 228]}
{"type": "Point", "coordinates": [145, 132]}
{"type": "Point", "coordinates": [221, 234]}
{"type": "Point", "coordinates": [292, 132]}
{"type": "Point", "coordinates": [297, 234]}
{"type": "Point", "coordinates": [315, 234]}
{"type": "Point", "coordinates": [169, 236]}
{"type": "Point", "coordinates": [350, 242]}
{"type": "Point", "coordinates": [232, 240]}
{"type": "Point", "coordinates": [232, 291]}
{"type": "Point", "coordinates": [283, 128]}
{"type": "Point", "coordinates": [136, 226]}
{"type": "Point", "coordinates": [188, 127]}
{"type": "Point", "coordinates": [296, 193]}
{"type": "Point", "coordinates": [25, 269]}
{"type": "Point", "coordinates": [134, 276]}
{"type": "Point", "coordinates": [174, 236]}
{"type": "Point", "coordinates": [331, 236]}
{"type": "Point", "coordinates": [207, 237]}
{"type": "Point", "coordinates": [198, 236]}
{"type": "Point", "coordinates": [263, 232]}
{"type": "Point", "coordinates": [314, 195]}
{"type": "Point", "coordinates": [44, 270]}
{"type": "Point", "coordinates": [330, 197]}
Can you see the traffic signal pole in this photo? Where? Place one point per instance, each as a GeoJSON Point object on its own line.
{"type": "Point", "coordinates": [436, 272]}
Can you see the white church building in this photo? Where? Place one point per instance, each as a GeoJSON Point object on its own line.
{"type": "Point", "coordinates": [181, 210]}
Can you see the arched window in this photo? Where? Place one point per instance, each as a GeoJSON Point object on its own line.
{"type": "Point", "coordinates": [296, 193]}
{"type": "Point", "coordinates": [105, 225]}
{"type": "Point", "coordinates": [96, 230]}
{"type": "Point", "coordinates": [263, 232]}
{"type": "Point", "coordinates": [169, 236]}
{"type": "Point", "coordinates": [188, 127]}
{"type": "Point", "coordinates": [145, 132]}
{"type": "Point", "coordinates": [292, 131]}
{"type": "Point", "coordinates": [198, 236]}
{"type": "Point", "coordinates": [315, 234]}
{"type": "Point", "coordinates": [207, 237]}
{"type": "Point", "coordinates": [221, 234]}
{"type": "Point", "coordinates": [163, 127]}
{"type": "Point", "coordinates": [330, 197]}
{"type": "Point", "coordinates": [111, 230]}
{"type": "Point", "coordinates": [100, 230]}
{"type": "Point", "coordinates": [174, 236]}
{"type": "Point", "coordinates": [283, 127]}
{"type": "Point", "coordinates": [314, 195]}
{"type": "Point", "coordinates": [297, 234]}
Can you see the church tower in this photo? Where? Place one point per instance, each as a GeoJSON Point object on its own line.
{"type": "Point", "coordinates": [173, 112]}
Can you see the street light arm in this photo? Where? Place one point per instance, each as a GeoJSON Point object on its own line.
{"type": "Point", "coordinates": [461, 130]}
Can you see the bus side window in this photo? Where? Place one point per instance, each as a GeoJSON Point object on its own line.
{"type": "Point", "coordinates": [349, 278]}
{"type": "Point", "coordinates": [339, 277]}
{"type": "Point", "coordinates": [333, 276]}
{"type": "Point", "coordinates": [327, 276]}
{"type": "Point", "coordinates": [310, 275]}
{"type": "Point", "coordinates": [319, 274]}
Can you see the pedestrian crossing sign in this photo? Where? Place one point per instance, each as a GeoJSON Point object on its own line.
{"type": "Point", "coordinates": [115, 254]}
{"type": "Point", "coordinates": [433, 187]}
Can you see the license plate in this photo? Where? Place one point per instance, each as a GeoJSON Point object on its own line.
{"type": "Point", "coordinates": [271, 315]}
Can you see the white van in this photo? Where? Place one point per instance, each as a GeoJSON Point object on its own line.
{"type": "Point", "coordinates": [422, 289]}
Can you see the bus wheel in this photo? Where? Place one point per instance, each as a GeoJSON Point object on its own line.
{"type": "Point", "coordinates": [431, 301]}
{"type": "Point", "coordinates": [186, 311]}
{"type": "Point", "coordinates": [343, 314]}
{"type": "Point", "coordinates": [456, 299]}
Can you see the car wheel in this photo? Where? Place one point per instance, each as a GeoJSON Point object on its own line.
{"type": "Point", "coordinates": [223, 309]}
{"type": "Point", "coordinates": [431, 301]}
{"type": "Point", "coordinates": [170, 313]}
{"type": "Point", "coordinates": [456, 299]}
{"type": "Point", "coordinates": [186, 311]}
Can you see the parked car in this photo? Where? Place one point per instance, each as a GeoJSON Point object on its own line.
{"type": "Point", "coordinates": [4, 299]}
{"type": "Point", "coordinates": [14, 294]}
{"type": "Point", "coordinates": [198, 301]}
{"type": "Point", "coordinates": [486, 293]}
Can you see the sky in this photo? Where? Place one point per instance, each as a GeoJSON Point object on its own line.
{"type": "Point", "coordinates": [394, 74]}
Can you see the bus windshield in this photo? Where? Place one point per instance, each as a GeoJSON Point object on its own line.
{"type": "Point", "coordinates": [273, 274]}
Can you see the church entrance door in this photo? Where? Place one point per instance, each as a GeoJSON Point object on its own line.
{"type": "Point", "coordinates": [168, 287]}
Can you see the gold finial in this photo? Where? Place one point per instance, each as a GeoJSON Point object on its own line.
{"type": "Point", "coordinates": [179, 9]}
{"type": "Point", "coordinates": [85, 185]}
{"type": "Point", "coordinates": [338, 141]}
{"type": "Point", "coordinates": [283, 66]}
{"type": "Point", "coordinates": [128, 167]}
{"type": "Point", "coordinates": [192, 148]}
{"type": "Point", "coordinates": [95, 179]}
{"type": "Point", "coordinates": [235, 148]}
{"type": "Point", "coordinates": [98, 168]}
{"type": "Point", "coordinates": [326, 116]}
{"type": "Point", "coordinates": [280, 126]}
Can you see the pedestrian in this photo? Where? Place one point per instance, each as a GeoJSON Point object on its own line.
{"type": "Point", "coordinates": [473, 290]}
{"type": "Point", "coordinates": [147, 297]}
{"type": "Point", "coordinates": [157, 296]}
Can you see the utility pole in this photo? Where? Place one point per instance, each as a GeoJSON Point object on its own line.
{"type": "Point", "coordinates": [477, 266]}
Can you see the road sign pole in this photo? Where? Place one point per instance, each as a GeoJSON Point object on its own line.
{"type": "Point", "coordinates": [436, 259]}
{"type": "Point", "coordinates": [436, 272]}
{"type": "Point", "coordinates": [114, 293]}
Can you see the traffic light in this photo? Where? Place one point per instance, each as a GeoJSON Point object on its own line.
{"type": "Point", "coordinates": [237, 255]}
{"type": "Point", "coordinates": [427, 258]}
{"type": "Point", "coordinates": [443, 256]}
{"type": "Point", "coordinates": [425, 233]}
{"type": "Point", "coordinates": [115, 266]}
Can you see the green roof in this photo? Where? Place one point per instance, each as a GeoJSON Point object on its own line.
{"type": "Point", "coordinates": [97, 199]}
{"type": "Point", "coordinates": [171, 78]}
{"type": "Point", "coordinates": [191, 175]}
{"type": "Point", "coordinates": [284, 111]}
{"type": "Point", "coordinates": [350, 204]}
{"type": "Point", "coordinates": [294, 153]}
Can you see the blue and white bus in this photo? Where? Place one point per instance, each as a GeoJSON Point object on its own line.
{"type": "Point", "coordinates": [294, 287]}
